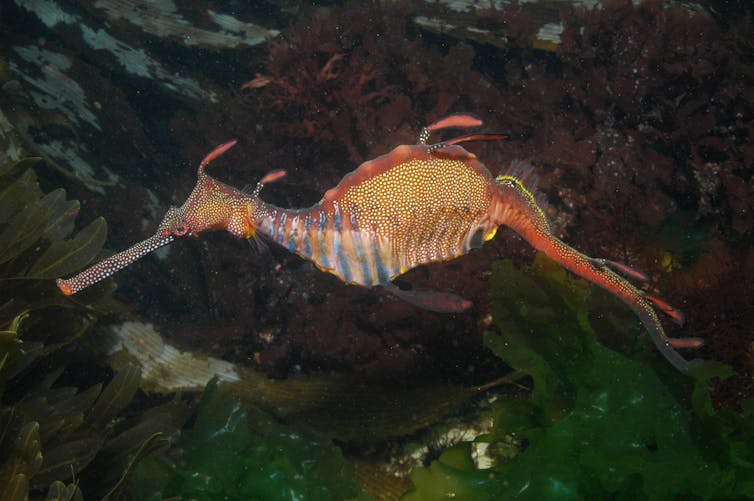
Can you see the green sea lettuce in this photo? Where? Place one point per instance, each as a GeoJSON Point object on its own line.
{"type": "Point", "coordinates": [235, 451]}
{"type": "Point", "coordinates": [598, 424]}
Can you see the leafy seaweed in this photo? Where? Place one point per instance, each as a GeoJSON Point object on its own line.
{"type": "Point", "coordinates": [54, 436]}
{"type": "Point", "coordinates": [238, 452]}
{"type": "Point", "coordinates": [37, 246]}
{"type": "Point", "coordinates": [598, 424]}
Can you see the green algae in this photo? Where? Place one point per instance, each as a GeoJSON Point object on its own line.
{"type": "Point", "coordinates": [598, 423]}
{"type": "Point", "coordinates": [235, 451]}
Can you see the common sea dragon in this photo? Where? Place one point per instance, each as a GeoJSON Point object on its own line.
{"type": "Point", "coordinates": [414, 205]}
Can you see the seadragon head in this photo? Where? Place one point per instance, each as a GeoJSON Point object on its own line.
{"type": "Point", "coordinates": [211, 206]}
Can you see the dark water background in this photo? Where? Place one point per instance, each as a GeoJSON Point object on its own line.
{"type": "Point", "coordinates": [639, 120]}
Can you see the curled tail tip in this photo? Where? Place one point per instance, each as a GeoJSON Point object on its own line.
{"type": "Point", "coordinates": [666, 345]}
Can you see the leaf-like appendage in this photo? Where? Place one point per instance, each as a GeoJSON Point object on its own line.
{"type": "Point", "coordinates": [66, 256]}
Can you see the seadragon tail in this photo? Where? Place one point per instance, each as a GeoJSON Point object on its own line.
{"type": "Point", "coordinates": [517, 206]}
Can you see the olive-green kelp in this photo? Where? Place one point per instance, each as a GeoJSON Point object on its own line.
{"type": "Point", "coordinates": [627, 433]}
{"type": "Point", "coordinates": [51, 431]}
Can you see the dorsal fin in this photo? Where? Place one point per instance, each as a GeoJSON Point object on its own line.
{"type": "Point", "coordinates": [401, 154]}
{"type": "Point", "coordinates": [523, 171]}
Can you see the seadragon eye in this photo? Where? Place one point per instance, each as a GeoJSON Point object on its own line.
{"type": "Point", "coordinates": [180, 230]}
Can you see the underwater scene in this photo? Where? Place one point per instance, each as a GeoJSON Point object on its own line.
{"type": "Point", "coordinates": [376, 250]}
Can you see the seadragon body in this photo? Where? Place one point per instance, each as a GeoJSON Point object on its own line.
{"type": "Point", "coordinates": [414, 205]}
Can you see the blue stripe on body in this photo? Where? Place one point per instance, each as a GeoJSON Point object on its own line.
{"type": "Point", "coordinates": [307, 251]}
{"type": "Point", "coordinates": [280, 235]}
{"type": "Point", "coordinates": [322, 221]}
{"type": "Point", "coordinates": [291, 246]}
{"type": "Point", "coordinates": [341, 257]}
{"type": "Point", "coordinates": [268, 223]}
{"type": "Point", "coordinates": [382, 273]}
{"type": "Point", "coordinates": [324, 261]}
{"type": "Point", "coordinates": [367, 276]}
{"type": "Point", "coordinates": [337, 221]}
